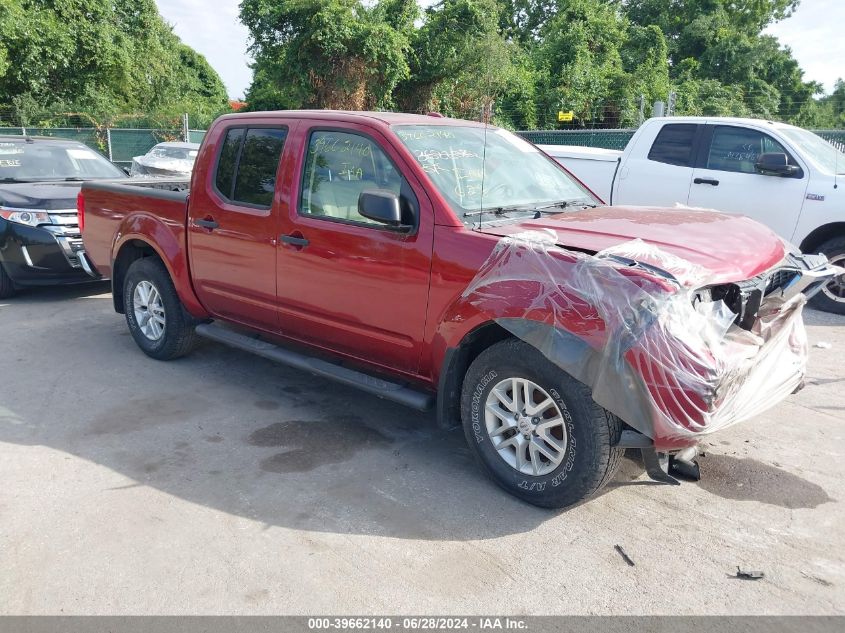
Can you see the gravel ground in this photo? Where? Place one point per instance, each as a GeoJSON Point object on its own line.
{"type": "Point", "coordinates": [221, 483]}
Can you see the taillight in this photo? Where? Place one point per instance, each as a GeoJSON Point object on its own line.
{"type": "Point", "coordinates": [80, 210]}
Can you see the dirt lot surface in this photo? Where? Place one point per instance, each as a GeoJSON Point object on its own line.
{"type": "Point", "coordinates": [221, 483]}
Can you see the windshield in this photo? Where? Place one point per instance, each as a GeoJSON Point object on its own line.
{"type": "Point", "coordinates": [181, 153]}
{"type": "Point", "coordinates": [509, 177]}
{"type": "Point", "coordinates": [825, 155]}
{"type": "Point", "coordinates": [22, 161]}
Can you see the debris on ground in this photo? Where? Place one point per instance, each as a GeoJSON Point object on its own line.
{"type": "Point", "coordinates": [625, 556]}
{"type": "Point", "coordinates": [683, 465]}
{"type": "Point", "coordinates": [749, 575]}
{"type": "Point", "coordinates": [821, 581]}
{"type": "Point", "coordinates": [823, 345]}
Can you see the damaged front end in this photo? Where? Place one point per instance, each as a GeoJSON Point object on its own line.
{"type": "Point", "coordinates": [673, 354]}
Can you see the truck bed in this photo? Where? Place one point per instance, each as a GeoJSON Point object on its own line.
{"type": "Point", "coordinates": [593, 166]}
{"type": "Point", "coordinates": [162, 204]}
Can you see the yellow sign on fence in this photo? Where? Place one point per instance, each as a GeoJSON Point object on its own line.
{"type": "Point", "coordinates": [565, 116]}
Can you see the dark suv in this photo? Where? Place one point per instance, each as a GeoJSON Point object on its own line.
{"type": "Point", "coordinates": [39, 232]}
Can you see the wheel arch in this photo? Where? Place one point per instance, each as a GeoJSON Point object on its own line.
{"type": "Point", "coordinates": [821, 235]}
{"type": "Point", "coordinates": [134, 247]}
{"type": "Point", "coordinates": [456, 362]}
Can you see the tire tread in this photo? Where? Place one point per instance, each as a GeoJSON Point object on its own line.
{"type": "Point", "coordinates": [180, 336]}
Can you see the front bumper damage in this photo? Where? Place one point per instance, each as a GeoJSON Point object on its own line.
{"type": "Point", "coordinates": [663, 344]}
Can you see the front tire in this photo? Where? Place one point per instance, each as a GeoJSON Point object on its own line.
{"type": "Point", "coordinates": [550, 444]}
{"type": "Point", "coordinates": [156, 318]}
{"type": "Point", "coordinates": [7, 287]}
{"type": "Point", "coordinates": [831, 298]}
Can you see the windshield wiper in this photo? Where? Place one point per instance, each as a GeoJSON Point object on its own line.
{"type": "Point", "coordinates": [562, 204]}
{"type": "Point", "coordinates": [495, 211]}
{"type": "Point", "coordinates": [73, 179]}
{"type": "Point", "coordinates": [528, 208]}
{"type": "Point", "coordinates": [15, 180]}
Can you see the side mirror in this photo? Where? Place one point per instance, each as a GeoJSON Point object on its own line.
{"type": "Point", "coordinates": [383, 207]}
{"type": "Point", "coordinates": [775, 164]}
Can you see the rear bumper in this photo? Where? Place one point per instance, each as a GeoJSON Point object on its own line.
{"type": "Point", "coordinates": [35, 256]}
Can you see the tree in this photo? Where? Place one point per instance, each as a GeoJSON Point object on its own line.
{"type": "Point", "coordinates": [460, 64]}
{"type": "Point", "coordinates": [720, 42]}
{"type": "Point", "coordinates": [327, 53]}
{"type": "Point", "coordinates": [102, 57]}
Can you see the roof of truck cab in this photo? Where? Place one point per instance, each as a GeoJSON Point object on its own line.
{"type": "Point", "coordinates": [721, 119]}
{"type": "Point", "coordinates": [387, 118]}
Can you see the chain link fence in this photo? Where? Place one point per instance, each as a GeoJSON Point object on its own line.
{"type": "Point", "coordinates": [119, 138]}
{"type": "Point", "coordinates": [120, 145]}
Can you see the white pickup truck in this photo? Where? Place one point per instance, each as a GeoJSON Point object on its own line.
{"type": "Point", "coordinates": [781, 175]}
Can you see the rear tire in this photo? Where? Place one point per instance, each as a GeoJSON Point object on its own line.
{"type": "Point", "coordinates": [7, 288]}
{"type": "Point", "coordinates": [831, 298]}
{"type": "Point", "coordinates": [156, 318]}
{"type": "Point", "coordinates": [560, 464]}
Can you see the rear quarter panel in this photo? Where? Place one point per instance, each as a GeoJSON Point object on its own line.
{"type": "Point", "coordinates": [116, 216]}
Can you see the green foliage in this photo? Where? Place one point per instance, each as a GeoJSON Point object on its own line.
{"type": "Point", "coordinates": [522, 60]}
{"type": "Point", "coordinates": [719, 60]}
{"type": "Point", "coordinates": [460, 63]}
{"type": "Point", "coordinates": [327, 53]}
{"type": "Point", "coordinates": [102, 57]}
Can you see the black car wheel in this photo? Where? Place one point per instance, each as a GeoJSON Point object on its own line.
{"type": "Point", "coordinates": [157, 321]}
{"type": "Point", "coordinates": [831, 298]}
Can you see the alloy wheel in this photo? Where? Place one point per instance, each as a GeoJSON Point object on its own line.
{"type": "Point", "coordinates": [149, 310]}
{"type": "Point", "coordinates": [526, 426]}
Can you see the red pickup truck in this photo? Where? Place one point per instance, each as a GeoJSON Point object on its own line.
{"type": "Point", "coordinates": [450, 265]}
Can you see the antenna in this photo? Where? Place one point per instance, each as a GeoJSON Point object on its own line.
{"type": "Point", "coordinates": [483, 162]}
{"type": "Point", "coordinates": [486, 114]}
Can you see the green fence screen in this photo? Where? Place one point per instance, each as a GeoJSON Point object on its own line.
{"type": "Point", "coordinates": [196, 136]}
{"type": "Point", "coordinates": [608, 139]}
{"type": "Point", "coordinates": [83, 135]}
{"type": "Point", "coordinates": [120, 145]}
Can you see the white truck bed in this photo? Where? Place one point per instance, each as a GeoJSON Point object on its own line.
{"type": "Point", "coordinates": [591, 165]}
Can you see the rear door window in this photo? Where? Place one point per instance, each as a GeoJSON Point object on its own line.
{"type": "Point", "coordinates": [228, 160]}
{"type": "Point", "coordinates": [674, 144]}
{"type": "Point", "coordinates": [248, 163]}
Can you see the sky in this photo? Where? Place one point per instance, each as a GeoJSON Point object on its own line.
{"type": "Point", "coordinates": [814, 33]}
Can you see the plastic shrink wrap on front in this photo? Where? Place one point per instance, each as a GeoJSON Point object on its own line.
{"type": "Point", "coordinates": [632, 323]}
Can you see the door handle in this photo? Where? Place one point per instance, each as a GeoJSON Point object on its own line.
{"type": "Point", "coordinates": [207, 223]}
{"type": "Point", "coordinates": [295, 240]}
{"type": "Point", "coordinates": [706, 181]}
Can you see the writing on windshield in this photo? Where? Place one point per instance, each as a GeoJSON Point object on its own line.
{"type": "Point", "coordinates": [477, 169]}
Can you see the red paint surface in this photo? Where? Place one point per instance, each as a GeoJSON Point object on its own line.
{"type": "Point", "coordinates": [388, 300]}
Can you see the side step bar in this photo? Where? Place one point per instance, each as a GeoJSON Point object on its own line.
{"type": "Point", "coordinates": [393, 391]}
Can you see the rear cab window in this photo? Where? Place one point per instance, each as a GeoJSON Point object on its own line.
{"type": "Point", "coordinates": [247, 165]}
{"type": "Point", "coordinates": [674, 144]}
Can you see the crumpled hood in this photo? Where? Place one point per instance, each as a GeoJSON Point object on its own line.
{"type": "Point", "coordinates": [729, 247]}
{"type": "Point", "coordinates": [142, 165]}
{"type": "Point", "coordinates": [40, 195]}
